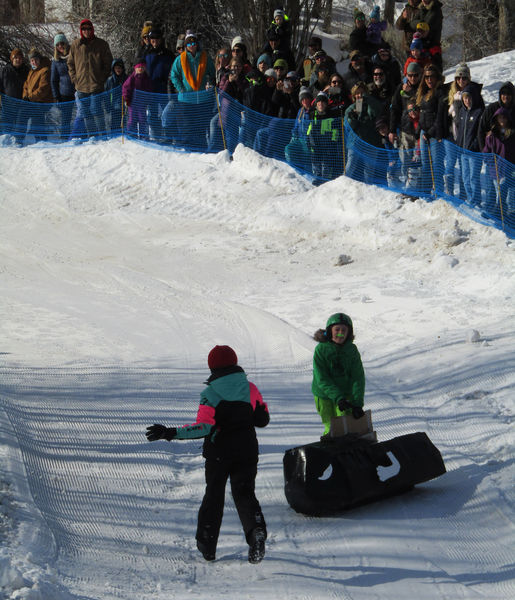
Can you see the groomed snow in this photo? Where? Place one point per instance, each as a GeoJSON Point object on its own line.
{"type": "Point", "coordinates": [122, 265]}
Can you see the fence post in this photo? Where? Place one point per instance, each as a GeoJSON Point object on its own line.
{"type": "Point", "coordinates": [343, 144]}
{"type": "Point", "coordinates": [220, 117]}
{"type": "Point", "coordinates": [499, 190]}
{"type": "Point", "coordinates": [431, 166]}
{"type": "Point", "coordinates": [123, 114]}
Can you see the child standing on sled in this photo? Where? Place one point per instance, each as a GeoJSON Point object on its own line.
{"type": "Point", "coordinates": [338, 375]}
{"type": "Point", "coordinates": [230, 409]}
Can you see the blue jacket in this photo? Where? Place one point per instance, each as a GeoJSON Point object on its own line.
{"type": "Point", "coordinates": [159, 62]}
{"type": "Point", "coordinates": [60, 82]}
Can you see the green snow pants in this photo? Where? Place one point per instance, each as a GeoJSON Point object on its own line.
{"type": "Point", "coordinates": [327, 409]}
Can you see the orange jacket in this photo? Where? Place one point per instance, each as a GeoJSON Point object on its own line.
{"type": "Point", "coordinates": [37, 85]}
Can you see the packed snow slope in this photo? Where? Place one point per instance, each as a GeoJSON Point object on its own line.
{"type": "Point", "coordinates": [122, 265]}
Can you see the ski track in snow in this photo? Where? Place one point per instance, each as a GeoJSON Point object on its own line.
{"type": "Point", "coordinates": [142, 260]}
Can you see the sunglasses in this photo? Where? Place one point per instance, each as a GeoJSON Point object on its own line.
{"type": "Point", "coordinates": [410, 110]}
{"type": "Point", "coordinates": [86, 29]}
{"type": "Point", "coordinates": [464, 78]}
{"type": "Point", "coordinates": [190, 44]}
{"type": "Point", "coordinates": [355, 58]}
{"type": "Point", "coordinates": [430, 76]}
{"type": "Point", "coordinates": [237, 50]}
{"type": "Point", "coordinates": [413, 74]}
{"type": "Point", "coordinates": [223, 56]}
{"type": "Point", "coordinates": [378, 74]}
{"type": "Point", "coordinates": [336, 81]}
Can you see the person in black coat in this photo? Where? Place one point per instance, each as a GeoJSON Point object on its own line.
{"type": "Point", "coordinates": [13, 75]}
{"type": "Point", "coordinates": [404, 92]}
{"type": "Point", "coordinates": [507, 101]}
{"type": "Point", "coordinates": [358, 36]}
{"type": "Point", "coordinates": [469, 115]}
{"type": "Point", "coordinates": [231, 407]}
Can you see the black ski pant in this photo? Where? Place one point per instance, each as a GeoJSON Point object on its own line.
{"type": "Point", "coordinates": [242, 474]}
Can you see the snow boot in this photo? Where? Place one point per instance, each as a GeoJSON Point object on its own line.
{"type": "Point", "coordinates": [257, 545]}
{"type": "Point", "coordinates": [206, 552]}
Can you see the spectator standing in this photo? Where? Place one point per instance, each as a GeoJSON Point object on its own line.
{"type": "Point", "coordinates": [409, 145]}
{"type": "Point", "coordinates": [144, 40]}
{"type": "Point", "coordinates": [358, 36]}
{"type": "Point", "coordinates": [500, 140]}
{"type": "Point", "coordinates": [286, 96]}
{"type": "Point", "coordinates": [506, 100]}
{"type": "Point", "coordinates": [12, 79]}
{"type": "Point", "coordinates": [138, 80]}
{"type": "Point", "coordinates": [222, 59]}
{"type": "Point", "coordinates": [239, 51]}
{"type": "Point", "coordinates": [381, 88]}
{"type": "Point", "coordinates": [360, 69]}
{"type": "Point", "coordinates": [430, 94]}
{"type": "Point", "coordinates": [469, 114]}
{"type": "Point", "coordinates": [193, 71]}
{"type": "Point", "coordinates": [417, 55]}
{"type": "Point", "coordinates": [113, 86]}
{"type": "Point", "coordinates": [404, 21]}
{"type": "Point", "coordinates": [63, 89]}
{"type": "Point", "coordinates": [405, 91]}
{"type": "Point", "coordinates": [281, 26]}
{"type": "Point", "coordinates": [308, 64]}
{"type": "Point", "coordinates": [89, 65]}
{"type": "Point", "coordinates": [375, 29]}
{"type": "Point", "coordinates": [297, 152]}
{"type": "Point", "coordinates": [324, 140]}
{"type": "Point", "coordinates": [37, 88]}
{"type": "Point", "coordinates": [390, 65]}
{"type": "Point", "coordinates": [430, 12]}
{"type": "Point", "coordinates": [273, 48]}
{"type": "Point", "coordinates": [158, 60]}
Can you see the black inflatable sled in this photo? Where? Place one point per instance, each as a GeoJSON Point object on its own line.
{"type": "Point", "coordinates": [325, 477]}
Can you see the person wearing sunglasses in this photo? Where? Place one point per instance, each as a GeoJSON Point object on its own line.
{"type": "Point", "coordinates": [360, 70]}
{"type": "Point", "coordinates": [193, 73]}
{"type": "Point", "coordinates": [89, 66]}
{"type": "Point", "coordinates": [358, 36]}
{"type": "Point", "coordinates": [381, 88]}
{"type": "Point", "coordinates": [404, 92]}
{"type": "Point", "coordinates": [430, 96]}
{"type": "Point", "coordinates": [383, 58]}
{"type": "Point", "coordinates": [222, 58]}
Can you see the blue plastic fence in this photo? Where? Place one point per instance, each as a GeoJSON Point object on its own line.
{"type": "Point", "coordinates": [480, 185]}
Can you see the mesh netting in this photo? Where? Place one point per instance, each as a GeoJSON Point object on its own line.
{"type": "Point", "coordinates": [479, 185]}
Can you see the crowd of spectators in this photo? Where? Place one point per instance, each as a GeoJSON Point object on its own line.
{"type": "Point", "coordinates": [393, 102]}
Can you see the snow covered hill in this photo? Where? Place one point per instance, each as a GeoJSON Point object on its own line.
{"type": "Point", "coordinates": [122, 265]}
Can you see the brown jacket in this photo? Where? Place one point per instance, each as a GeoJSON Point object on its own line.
{"type": "Point", "coordinates": [89, 64]}
{"type": "Point", "coordinates": [37, 85]}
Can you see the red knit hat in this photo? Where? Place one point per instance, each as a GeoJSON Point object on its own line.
{"type": "Point", "coordinates": [221, 356]}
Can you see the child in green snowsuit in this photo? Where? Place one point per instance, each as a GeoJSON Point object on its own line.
{"type": "Point", "coordinates": [338, 375]}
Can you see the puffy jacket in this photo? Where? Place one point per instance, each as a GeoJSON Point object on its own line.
{"type": "Point", "coordinates": [364, 123]}
{"type": "Point", "coordinates": [429, 111]}
{"type": "Point", "coordinates": [134, 82]}
{"type": "Point", "coordinates": [338, 372]}
{"type": "Point", "coordinates": [37, 85]}
{"type": "Point", "coordinates": [12, 80]}
{"type": "Point", "coordinates": [230, 409]}
{"type": "Point", "coordinates": [62, 86]}
{"type": "Point", "coordinates": [89, 64]}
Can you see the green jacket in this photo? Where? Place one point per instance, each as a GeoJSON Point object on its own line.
{"type": "Point", "coordinates": [338, 373]}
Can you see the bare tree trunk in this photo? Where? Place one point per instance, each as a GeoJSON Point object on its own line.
{"type": "Point", "coordinates": [327, 14]}
{"type": "Point", "coordinates": [9, 12]}
{"type": "Point", "coordinates": [389, 11]}
{"type": "Point", "coordinates": [480, 30]}
{"type": "Point", "coordinates": [506, 25]}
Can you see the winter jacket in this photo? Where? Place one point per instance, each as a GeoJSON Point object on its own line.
{"type": "Point", "coordinates": [487, 119]}
{"type": "Point", "coordinates": [404, 24]}
{"type": "Point", "coordinates": [37, 85]}
{"type": "Point", "coordinates": [62, 86]}
{"type": "Point", "coordinates": [159, 63]}
{"type": "Point", "coordinates": [352, 76]}
{"type": "Point", "coordinates": [284, 53]}
{"type": "Point", "coordinates": [261, 99]}
{"type": "Point", "coordinates": [364, 123]}
{"type": "Point", "coordinates": [300, 129]}
{"type": "Point", "coordinates": [400, 99]}
{"type": "Point", "coordinates": [429, 114]}
{"type": "Point", "coordinates": [502, 143]}
{"type": "Point", "coordinates": [374, 31]}
{"type": "Point", "coordinates": [338, 373]}
{"type": "Point", "coordinates": [358, 41]}
{"type": "Point", "coordinates": [134, 82]}
{"type": "Point", "coordinates": [433, 16]}
{"type": "Point", "coordinates": [382, 93]}
{"type": "Point", "coordinates": [448, 115]}
{"type": "Point", "coordinates": [288, 103]}
{"type": "Point", "coordinates": [89, 64]}
{"type": "Point", "coordinates": [468, 121]}
{"type": "Point", "coordinates": [12, 80]}
{"type": "Point", "coordinates": [235, 89]}
{"type": "Point", "coordinates": [180, 78]}
{"type": "Point", "coordinates": [323, 133]}
{"type": "Point", "coordinates": [410, 131]}
{"type": "Point", "coordinates": [391, 68]}
{"type": "Point", "coordinates": [114, 80]}
{"type": "Point", "coordinates": [230, 409]}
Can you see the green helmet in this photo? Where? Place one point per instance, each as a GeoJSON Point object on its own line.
{"type": "Point", "coordinates": [339, 318]}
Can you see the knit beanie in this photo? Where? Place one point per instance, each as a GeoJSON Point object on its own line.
{"type": "Point", "coordinates": [375, 13]}
{"type": "Point", "coordinates": [413, 67]}
{"type": "Point", "coordinates": [60, 38]}
{"type": "Point", "coordinates": [221, 356]}
{"type": "Point", "coordinates": [264, 58]}
{"type": "Point", "coordinates": [416, 45]}
{"type": "Point", "coordinates": [271, 73]}
{"type": "Point", "coordinates": [358, 14]}
{"type": "Point", "coordinates": [147, 26]}
{"type": "Point", "coordinates": [34, 53]}
{"type": "Point", "coordinates": [237, 41]}
{"type": "Point", "coordinates": [278, 13]}
{"type": "Point", "coordinates": [462, 70]}
{"type": "Point", "coordinates": [305, 92]}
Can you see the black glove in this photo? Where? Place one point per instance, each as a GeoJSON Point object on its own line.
{"type": "Point", "coordinates": [357, 412]}
{"type": "Point", "coordinates": [343, 405]}
{"type": "Point", "coordinates": [160, 432]}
